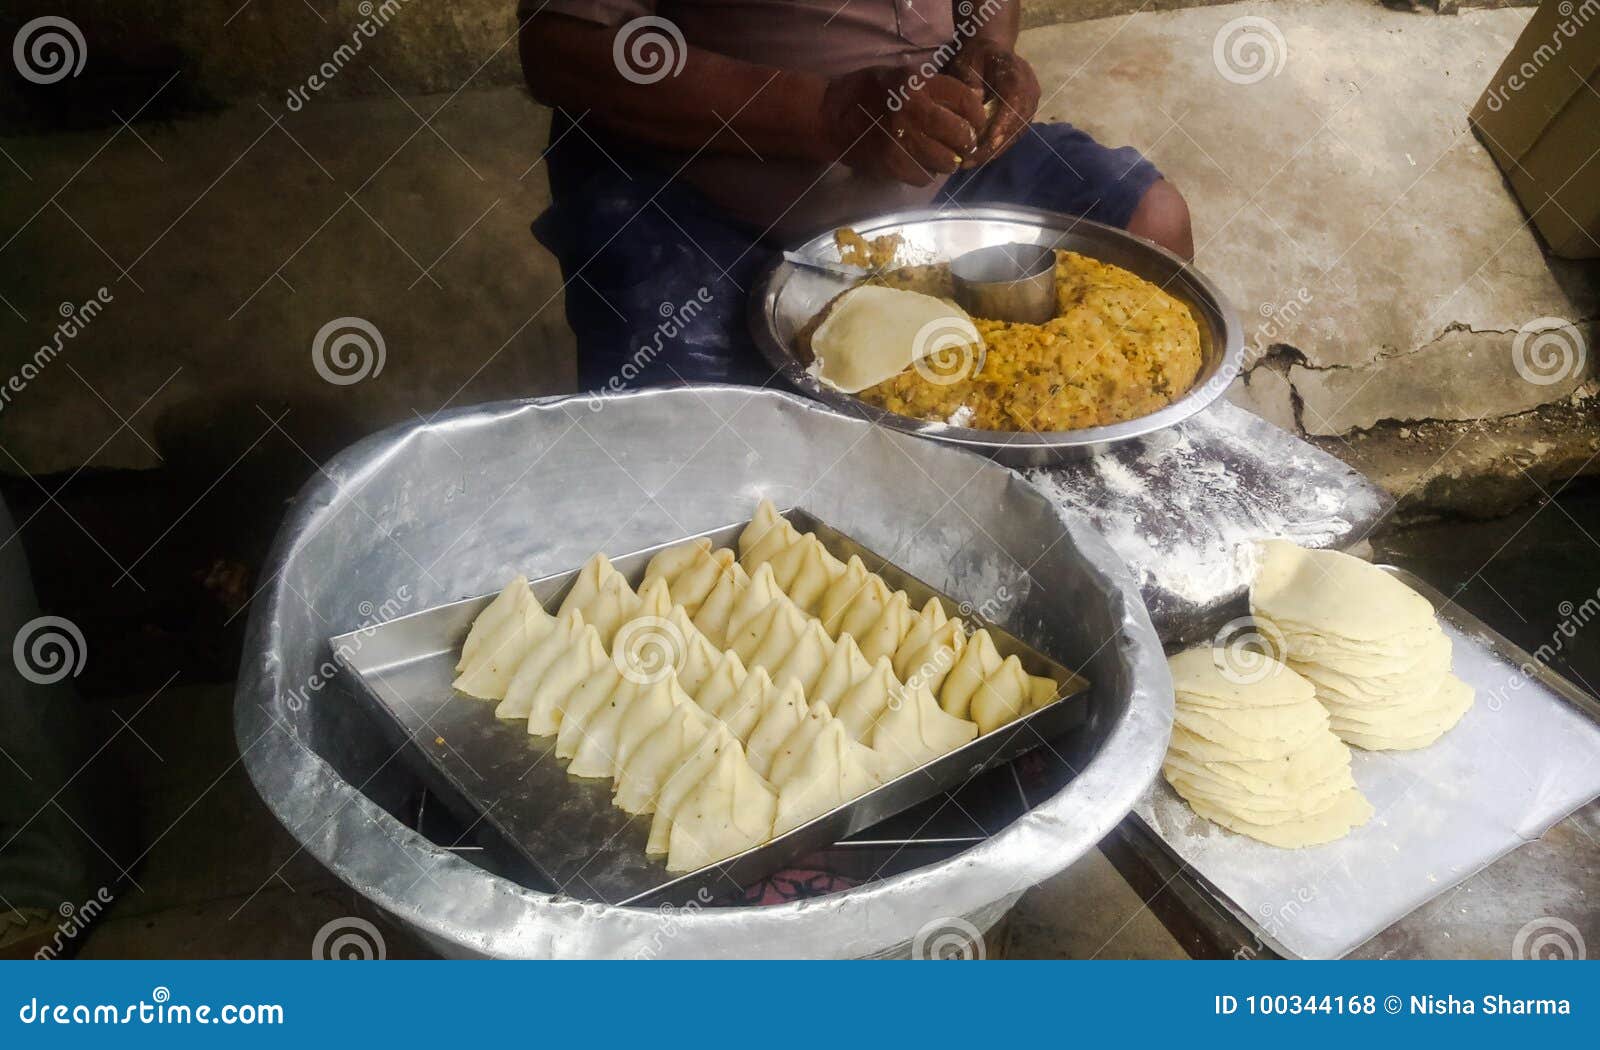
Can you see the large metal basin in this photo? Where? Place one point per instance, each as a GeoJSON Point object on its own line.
{"type": "Point", "coordinates": [787, 296]}
{"type": "Point", "coordinates": [432, 512]}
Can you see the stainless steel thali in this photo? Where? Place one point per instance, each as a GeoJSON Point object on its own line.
{"type": "Point", "coordinates": [787, 296]}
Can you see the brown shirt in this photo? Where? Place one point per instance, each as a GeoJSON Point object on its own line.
{"type": "Point", "coordinates": [828, 37]}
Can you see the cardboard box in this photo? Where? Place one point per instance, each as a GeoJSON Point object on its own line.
{"type": "Point", "coordinates": [1540, 120]}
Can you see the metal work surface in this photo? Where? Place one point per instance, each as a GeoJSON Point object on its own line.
{"type": "Point", "coordinates": [787, 296]}
{"type": "Point", "coordinates": [429, 513]}
{"type": "Point", "coordinates": [567, 827]}
{"type": "Point", "coordinates": [1525, 756]}
{"type": "Point", "coordinates": [1182, 506]}
{"type": "Point", "coordinates": [1177, 506]}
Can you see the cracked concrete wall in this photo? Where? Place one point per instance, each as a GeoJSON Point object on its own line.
{"type": "Point", "coordinates": [1461, 375]}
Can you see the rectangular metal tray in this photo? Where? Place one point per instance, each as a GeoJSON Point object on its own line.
{"type": "Point", "coordinates": [1525, 756]}
{"type": "Point", "coordinates": [565, 827]}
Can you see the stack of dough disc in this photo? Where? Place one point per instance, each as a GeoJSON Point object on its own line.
{"type": "Point", "coordinates": [1255, 754]}
{"type": "Point", "coordinates": [1369, 644]}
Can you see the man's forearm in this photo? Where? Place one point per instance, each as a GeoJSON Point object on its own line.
{"type": "Point", "coordinates": [569, 63]}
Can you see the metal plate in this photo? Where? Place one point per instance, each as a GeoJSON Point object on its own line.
{"type": "Point", "coordinates": [787, 296]}
{"type": "Point", "coordinates": [1526, 755]}
{"type": "Point", "coordinates": [566, 827]}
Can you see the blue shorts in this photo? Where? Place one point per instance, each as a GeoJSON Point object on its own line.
{"type": "Point", "coordinates": [657, 279]}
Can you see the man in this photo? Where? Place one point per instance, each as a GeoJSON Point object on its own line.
{"type": "Point", "coordinates": [694, 137]}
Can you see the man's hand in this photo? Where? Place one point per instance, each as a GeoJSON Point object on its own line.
{"type": "Point", "coordinates": [1006, 81]}
{"type": "Point", "coordinates": [896, 124]}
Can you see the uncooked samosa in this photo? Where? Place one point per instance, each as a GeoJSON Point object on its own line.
{"type": "Point", "coordinates": [743, 710]}
{"type": "Point", "coordinates": [832, 770]}
{"type": "Point", "coordinates": [683, 780]}
{"type": "Point", "coordinates": [548, 674]}
{"type": "Point", "coordinates": [649, 765]}
{"type": "Point", "coordinates": [865, 702]}
{"type": "Point", "coordinates": [845, 667]}
{"type": "Point", "coordinates": [805, 571]}
{"type": "Point", "coordinates": [978, 660]}
{"type": "Point", "coordinates": [722, 685]}
{"type": "Point", "coordinates": [511, 599]}
{"type": "Point", "coordinates": [714, 613]}
{"type": "Point", "coordinates": [691, 576]}
{"type": "Point", "coordinates": [806, 659]}
{"type": "Point", "coordinates": [654, 704]}
{"type": "Point", "coordinates": [583, 703]}
{"type": "Point", "coordinates": [841, 593]}
{"type": "Point", "coordinates": [728, 812]}
{"type": "Point", "coordinates": [1003, 696]}
{"type": "Point", "coordinates": [931, 662]}
{"type": "Point", "coordinates": [914, 730]}
{"type": "Point", "coordinates": [760, 592]}
{"type": "Point", "coordinates": [489, 672]}
{"type": "Point", "coordinates": [783, 711]}
{"type": "Point", "coordinates": [586, 588]}
{"type": "Point", "coordinates": [864, 609]}
{"type": "Point", "coordinates": [889, 630]}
